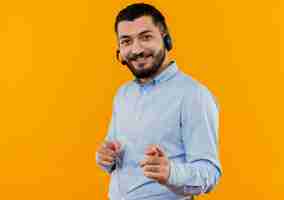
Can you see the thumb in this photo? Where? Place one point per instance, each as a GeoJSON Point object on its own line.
{"type": "Point", "coordinates": [155, 150]}
{"type": "Point", "coordinates": [151, 150]}
{"type": "Point", "coordinates": [160, 151]}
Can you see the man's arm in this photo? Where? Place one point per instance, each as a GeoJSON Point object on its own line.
{"type": "Point", "coordinates": [202, 169]}
{"type": "Point", "coordinates": [193, 178]}
{"type": "Point", "coordinates": [109, 137]}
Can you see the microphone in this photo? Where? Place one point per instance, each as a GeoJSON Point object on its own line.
{"type": "Point", "coordinates": [123, 62]}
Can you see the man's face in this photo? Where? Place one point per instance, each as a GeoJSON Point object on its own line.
{"type": "Point", "coordinates": [141, 46]}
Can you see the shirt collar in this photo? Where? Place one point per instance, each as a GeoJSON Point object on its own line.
{"type": "Point", "coordinates": [165, 75]}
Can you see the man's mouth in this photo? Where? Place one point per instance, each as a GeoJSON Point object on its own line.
{"type": "Point", "coordinates": [141, 60]}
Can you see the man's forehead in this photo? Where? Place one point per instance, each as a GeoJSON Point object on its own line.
{"type": "Point", "coordinates": [141, 24]}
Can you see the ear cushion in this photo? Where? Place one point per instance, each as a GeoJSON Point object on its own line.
{"type": "Point", "coordinates": [123, 62]}
{"type": "Point", "coordinates": [168, 42]}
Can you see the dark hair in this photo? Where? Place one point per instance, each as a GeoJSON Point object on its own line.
{"type": "Point", "coordinates": [137, 10]}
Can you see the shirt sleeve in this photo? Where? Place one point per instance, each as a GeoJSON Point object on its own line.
{"type": "Point", "coordinates": [110, 136]}
{"type": "Point", "coordinates": [199, 123]}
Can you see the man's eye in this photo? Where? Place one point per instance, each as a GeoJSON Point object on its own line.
{"type": "Point", "coordinates": [125, 42]}
{"type": "Point", "coordinates": [146, 37]}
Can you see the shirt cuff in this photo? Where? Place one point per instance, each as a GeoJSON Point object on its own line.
{"type": "Point", "coordinates": [174, 179]}
{"type": "Point", "coordinates": [172, 183]}
{"type": "Point", "coordinates": [177, 184]}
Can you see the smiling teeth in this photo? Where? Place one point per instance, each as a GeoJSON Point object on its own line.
{"type": "Point", "coordinates": [141, 59]}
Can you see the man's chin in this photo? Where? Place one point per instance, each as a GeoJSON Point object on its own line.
{"type": "Point", "coordinates": [144, 73]}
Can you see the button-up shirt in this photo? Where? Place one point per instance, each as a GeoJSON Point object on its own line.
{"type": "Point", "coordinates": [180, 115]}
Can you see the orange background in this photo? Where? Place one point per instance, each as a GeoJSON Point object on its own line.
{"type": "Point", "coordinates": [58, 75]}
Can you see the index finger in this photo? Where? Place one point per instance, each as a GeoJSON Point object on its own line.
{"type": "Point", "coordinates": [150, 160]}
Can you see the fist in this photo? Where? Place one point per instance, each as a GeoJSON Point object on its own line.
{"type": "Point", "coordinates": [108, 152]}
{"type": "Point", "coordinates": [156, 164]}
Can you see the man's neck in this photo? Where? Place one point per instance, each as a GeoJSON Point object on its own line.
{"type": "Point", "coordinates": [164, 66]}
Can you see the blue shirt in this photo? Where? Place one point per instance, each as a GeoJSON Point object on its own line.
{"type": "Point", "coordinates": [180, 115]}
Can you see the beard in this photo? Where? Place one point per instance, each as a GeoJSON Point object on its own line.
{"type": "Point", "coordinates": [140, 71]}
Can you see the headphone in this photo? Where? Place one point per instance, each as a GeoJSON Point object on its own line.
{"type": "Point", "coordinates": [167, 42]}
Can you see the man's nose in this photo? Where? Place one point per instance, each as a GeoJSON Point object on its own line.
{"type": "Point", "coordinates": [136, 48]}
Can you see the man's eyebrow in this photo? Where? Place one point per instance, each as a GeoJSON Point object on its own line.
{"type": "Point", "coordinates": [141, 33]}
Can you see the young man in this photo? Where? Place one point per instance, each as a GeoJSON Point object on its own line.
{"type": "Point", "coordinates": [162, 142]}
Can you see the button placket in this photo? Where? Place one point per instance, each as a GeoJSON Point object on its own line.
{"type": "Point", "coordinates": [139, 105]}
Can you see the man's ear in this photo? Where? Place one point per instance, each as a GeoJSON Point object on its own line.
{"type": "Point", "coordinates": [163, 34]}
{"type": "Point", "coordinates": [118, 57]}
{"type": "Point", "coordinates": [117, 41]}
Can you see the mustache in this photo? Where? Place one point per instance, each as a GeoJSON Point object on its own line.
{"type": "Point", "coordinates": [136, 56]}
